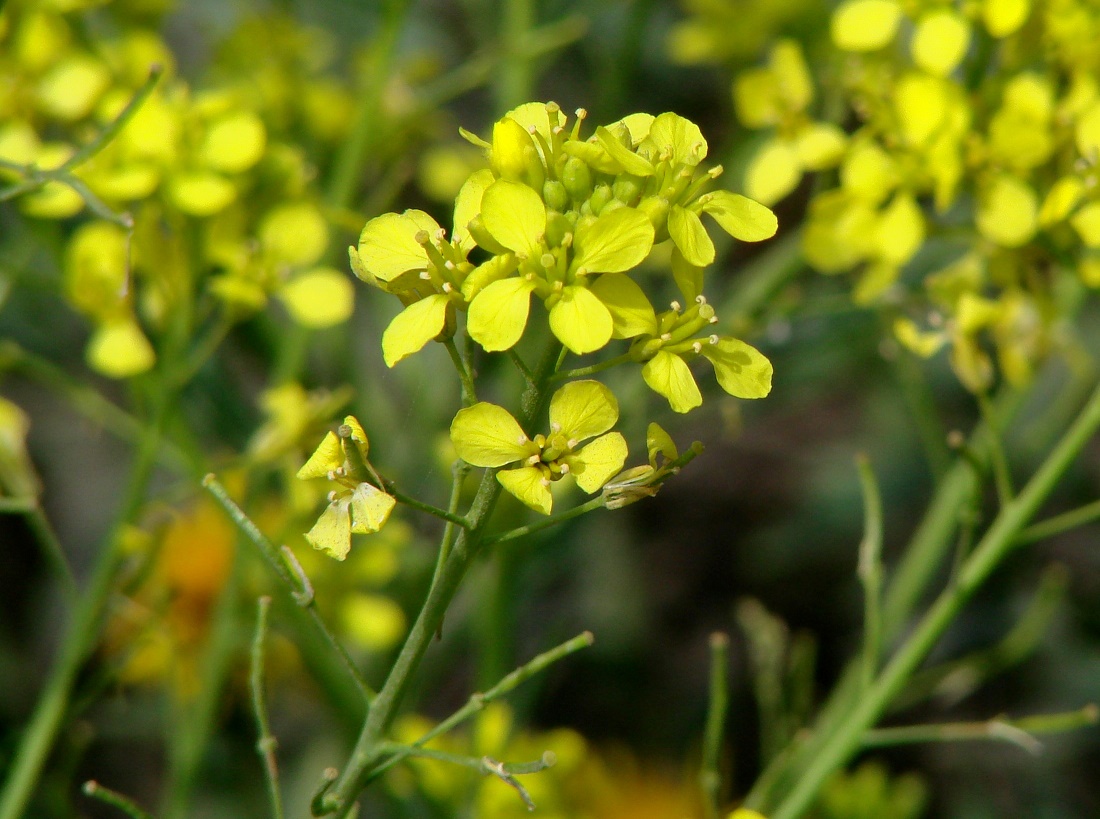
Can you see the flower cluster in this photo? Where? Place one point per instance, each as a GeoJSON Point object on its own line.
{"type": "Point", "coordinates": [563, 219]}
{"type": "Point", "coordinates": [216, 165]}
{"type": "Point", "coordinates": [967, 196]}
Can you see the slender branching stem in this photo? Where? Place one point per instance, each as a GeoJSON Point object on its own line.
{"type": "Point", "coordinates": [266, 744]}
{"type": "Point", "coordinates": [115, 800]}
{"type": "Point", "coordinates": [1058, 524]}
{"type": "Point", "coordinates": [545, 523]}
{"type": "Point", "coordinates": [302, 593]}
{"type": "Point", "coordinates": [997, 543]}
{"type": "Point", "coordinates": [870, 570]}
{"type": "Point", "coordinates": [710, 775]}
{"type": "Point", "coordinates": [462, 367]}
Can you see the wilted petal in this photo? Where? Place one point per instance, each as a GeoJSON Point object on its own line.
{"type": "Point", "coordinates": [327, 457]}
{"type": "Point", "coordinates": [370, 508]}
{"type": "Point", "coordinates": [331, 533]}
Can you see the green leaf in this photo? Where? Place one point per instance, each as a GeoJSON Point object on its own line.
{"type": "Point", "coordinates": [515, 216]}
{"type": "Point", "coordinates": [414, 327]}
{"type": "Point", "coordinates": [498, 314]}
{"type": "Point", "coordinates": [580, 321]}
{"type": "Point", "coordinates": [741, 217]}
{"type": "Point", "coordinates": [487, 435]}
{"type": "Point", "coordinates": [668, 375]}
{"type": "Point", "coordinates": [528, 485]}
{"type": "Point", "coordinates": [631, 313]}
{"type": "Point", "coordinates": [687, 231]}
{"type": "Point", "coordinates": [741, 369]}
{"type": "Point", "coordinates": [370, 509]}
{"type": "Point", "coordinates": [614, 242]}
{"type": "Point", "coordinates": [331, 533]}
{"type": "Point", "coordinates": [582, 409]}
{"type": "Point", "coordinates": [598, 462]}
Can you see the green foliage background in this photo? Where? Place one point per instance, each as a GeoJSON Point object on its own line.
{"type": "Point", "coordinates": [758, 537]}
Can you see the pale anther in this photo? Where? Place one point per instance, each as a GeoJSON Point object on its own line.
{"type": "Point", "coordinates": [713, 339]}
{"type": "Point", "coordinates": [331, 496]}
{"type": "Point", "coordinates": [425, 275]}
{"type": "Point", "coordinates": [581, 113]}
{"type": "Point", "coordinates": [676, 306]}
{"type": "Point", "coordinates": [700, 299]}
{"type": "Point", "coordinates": [697, 347]}
{"type": "Point", "coordinates": [666, 336]}
{"type": "Point", "coordinates": [422, 237]}
{"type": "Point", "coordinates": [555, 427]}
{"type": "Point", "coordinates": [447, 288]}
{"type": "Point", "coordinates": [565, 469]}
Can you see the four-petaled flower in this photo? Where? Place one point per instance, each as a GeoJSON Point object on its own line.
{"type": "Point", "coordinates": [356, 505]}
{"type": "Point", "coordinates": [488, 436]}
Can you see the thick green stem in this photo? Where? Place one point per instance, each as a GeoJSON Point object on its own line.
{"type": "Point", "coordinates": [514, 81]}
{"type": "Point", "coordinates": [997, 543]}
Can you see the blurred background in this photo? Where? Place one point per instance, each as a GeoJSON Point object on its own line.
{"type": "Point", "coordinates": [758, 538]}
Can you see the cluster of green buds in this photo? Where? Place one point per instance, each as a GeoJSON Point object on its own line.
{"type": "Point", "coordinates": [967, 196]}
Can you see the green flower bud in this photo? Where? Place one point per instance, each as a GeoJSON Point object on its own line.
{"type": "Point", "coordinates": [656, 208]}
{"type": "Point", "coordinates": [600, 197]}
{"type": "Point", "coordinates": [576, 176]}
{"type": "Point", "coordinates": [627, 189]}
{"type": "Point", "coordinates": [555, 195]}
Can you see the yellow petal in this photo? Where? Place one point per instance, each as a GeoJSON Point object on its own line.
{"type": "Point", "coordinates": [294, 233]}
{"type": "Point", "coordinates": [1004, 17]}
{"type": "Point", "coordinates": [865, 25]}
{"type": "Point", "coordinates": [598, 462]}
{"type": "Point", "coordinates": [327, 457]}
{"type": "Point", "coordinates": [1007, 212]}
{"type": "Point", "coordinates": [668, 375]}
{"type": "Point", "coordinates": [319, 298]}
{"type": "Point", "coordinates": [498, 314]}
{"type": "Point", "coordinates": [515, 216]}
{"type": "Point", "coordinates": [201, 193]}
{"type": "Point", "coordinates": [414, 327]}
{"type": "Point", "coordinates": [582, 409]}
{"type": "Point", "coordinates": [820, 145]}
{"type": "Point", "coordinates": [371, 621]}
{"type": "Point", "coordinates": [234, 143]}
{"type": "Point", "coordinates": [580, 321]}
{"type": "Point", "coordinates": [331, 533]}
{"type": "Point", "coordinates": [940, 41]}
{"type": "Point", "coordinates": [370, 509]}
{"type": "Point", "coordinates": [631, 312]}
{"type": "Point", "coordinates": [900, 230]}
{"type": "Point", "coordinates": [119, 349]}
{"type": "Point", "coordinates": [773, 172]}
{"type": "Point", "coordinates": [741, 369]}
{"type": "Point", "coordinates": [528, 485]}
{"type": "Point", "coordinates": [687, 231]}
{"type": "Point", "coordinates": [1087, 224]}
{"type": "Point", "coordinates": [487, 435]}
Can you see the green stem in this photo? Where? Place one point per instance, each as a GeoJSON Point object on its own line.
{"type": "Point", "coordinates": [469, 391]}
{"type": "Point", "coordinates": [266, 744]}
{"type": "Point", "coordinates": [413, 503]}
{"type": "Point", "coordinates": [515, 79]}
{"type": "Point", "coordinates": [350, 159]}
{"type": "Point", "coordinates": [545, 523]}
{"type": "Point", "coordinates": [366, 756]}
{"type": "Point", "coordinates": [710, 777]}
{"type": "Point", "coordinates": [997, 543]}
{"type": "Point", "coordinates": [594, 368]}
{"type": "Point", "coordinates": [114, 799]}
{"type": "Point", "coordinates": [1019, 732]}
{"type": "Point", "coordinates": [83, 633]}
{"type": "Point", "coordinates": [1060, 523]}
{"type": "Point", "coordinates": [1002, 477]}
{"type": "Point", "coordinates": [288, 574]}
{"type": "Point", "coordinates": [478, 702]}
{"type": "Point", "coordinates": [870, 570]}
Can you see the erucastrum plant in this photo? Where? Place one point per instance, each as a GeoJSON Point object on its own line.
{"type": "Point", "coordinates": [548, 251]}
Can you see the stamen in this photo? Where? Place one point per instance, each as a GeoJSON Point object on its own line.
{"type": "Point", "coordinates": [700, 299]}
{"type": "Point", "coordinates": [666, 336]}
{"type": "Point", "coordinates": [331, 496]}
{"type": "Point", "coordinates": [697, 347]}
{"type": "Point", "coordinates": [547, 260]}
{"type": "Point", "coordinates": [676, 306]}
{"type": "Point", "coordinates": [713, 339]}
{"type": "Point", "coordinates": [564, 468]}
{"type": "Point", "coordinates": [447, 288]}
{"type": "Point", "coordinates": [425, 275]}
{"type": "Point", "coordinates": [555, 427]}
{"type": "Point", "coordinates": [422, 237]}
